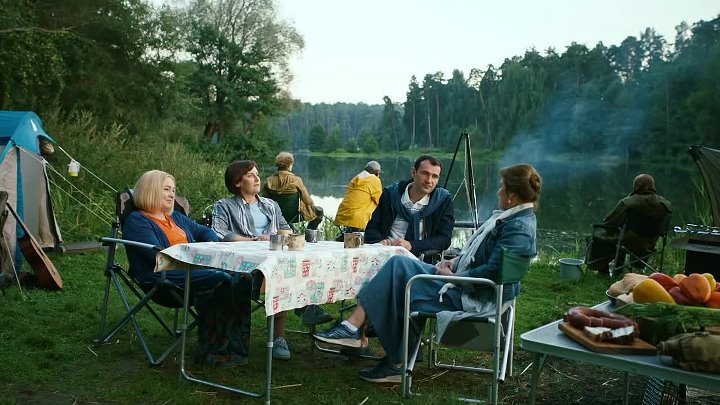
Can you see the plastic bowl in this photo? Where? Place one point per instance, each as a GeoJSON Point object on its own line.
{"type": "Point", "coordinates": [612, 299]}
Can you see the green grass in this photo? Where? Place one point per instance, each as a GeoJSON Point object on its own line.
{"type": "Point", "coordinates": [48, 357]}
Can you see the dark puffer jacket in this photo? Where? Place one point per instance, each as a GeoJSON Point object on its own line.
{"type": "Point", "coordinates": [438, 220]}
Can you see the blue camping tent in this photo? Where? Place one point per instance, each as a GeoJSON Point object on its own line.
{"type": "Point", "coordinates": [23, 176]}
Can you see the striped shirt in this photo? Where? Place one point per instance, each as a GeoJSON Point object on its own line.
{"type": "Point", "coordinates": [232, 216]}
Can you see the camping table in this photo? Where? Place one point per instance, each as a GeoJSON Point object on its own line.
{"type": "Point", "coordinates": [549, 340]}
{"type": "Point", "coordinates": [323, 272]}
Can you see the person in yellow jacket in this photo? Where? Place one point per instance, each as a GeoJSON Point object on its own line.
{"type": "Point", "coordinates": [361, 199]}
{"type": "Point", "coordinates": [284, 181]}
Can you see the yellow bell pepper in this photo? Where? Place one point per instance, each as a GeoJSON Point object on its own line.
{"type": "Point", "coordinates": [650, 291]}
{"type": "Point", "coordinates": [710, 279]}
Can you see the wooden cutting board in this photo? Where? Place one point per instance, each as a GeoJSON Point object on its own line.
{"type": "Point", "coordinates": [638, 346]}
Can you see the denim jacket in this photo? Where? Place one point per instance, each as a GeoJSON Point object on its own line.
{"type": "Point", "coordinates": [516, 233]}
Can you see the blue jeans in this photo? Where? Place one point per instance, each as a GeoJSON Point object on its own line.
{"type": "Point", "coordinates": [383, 299]}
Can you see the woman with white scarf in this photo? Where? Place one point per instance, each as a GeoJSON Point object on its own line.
{"type": "Point", "coordinates": [381, 301]}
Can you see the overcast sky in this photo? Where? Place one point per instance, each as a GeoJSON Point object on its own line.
{"type": "Point", "coordinates": [361, 50]}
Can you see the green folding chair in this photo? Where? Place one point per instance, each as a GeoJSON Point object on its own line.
{"type": "Point", "coordinates": [289, 206]}
{"type": "Point", "coordinates": [478, 332]}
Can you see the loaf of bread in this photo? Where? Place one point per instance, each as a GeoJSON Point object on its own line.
{"type": "Point", "coordinates": [630, 280]}
{"type": "Point", "coordinates": [616, 289]}
{"type": "Point", "coordinates": [626, 285]}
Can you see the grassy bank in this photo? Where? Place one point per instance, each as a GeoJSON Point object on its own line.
{"type": "Point", "coordinates": [47, 356]}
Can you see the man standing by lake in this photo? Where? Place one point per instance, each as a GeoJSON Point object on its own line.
{"type": "Point", "coordinates": [415, 213]}
{"type": "Point", "coordinates": [361, 198]}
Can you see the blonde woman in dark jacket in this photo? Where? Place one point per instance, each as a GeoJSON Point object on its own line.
{"type": "Point", "coordinates": [222, 299]}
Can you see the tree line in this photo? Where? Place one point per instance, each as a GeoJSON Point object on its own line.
{"type": "Point", "coordinates": [213, 75]}
{"type": "Point", "coordinates": [211, 69]}
{"type": "Point", "coordinates": [642, 97]}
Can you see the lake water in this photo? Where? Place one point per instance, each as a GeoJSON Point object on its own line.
{"type": "Point", "coordinates": [576, 193]}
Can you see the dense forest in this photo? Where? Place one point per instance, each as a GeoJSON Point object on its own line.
{"type": "Point", "coordinates": [210, 69]}
{"type": "Point", "coordinates": [126, 86]}
{"type": "Point", "coordinates": [642, 97]}
{"type": "Point", "coordinates": [212, 75]}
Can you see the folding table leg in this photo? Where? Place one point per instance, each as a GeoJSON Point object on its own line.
{"type": "Point", "coordinates": [537, 366]}
{"type": "Point", "coordinates": [269, 357]}
{"type": "Point", "coordinates": [626, 387]}
{"type": "Point", "coordinates": [188, 376]}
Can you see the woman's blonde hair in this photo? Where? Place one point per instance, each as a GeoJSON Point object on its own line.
{"type": "Point", "coordinates": [284, 160]}
{"type": "Point", "coordinates": [148, 191]}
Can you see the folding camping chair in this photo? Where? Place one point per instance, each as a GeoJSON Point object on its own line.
{"type": "Point", "coordinates": [477, 332]}
{"type": "Point", "coordinates": [289, 206]}
{"type": "Point", "coordinates": [163, 293]}
{"type": "Point", "coordinates": [639, 224]}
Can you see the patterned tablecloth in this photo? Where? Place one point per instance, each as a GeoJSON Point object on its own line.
{"type": "Point", "coordinates": [323, 272]}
